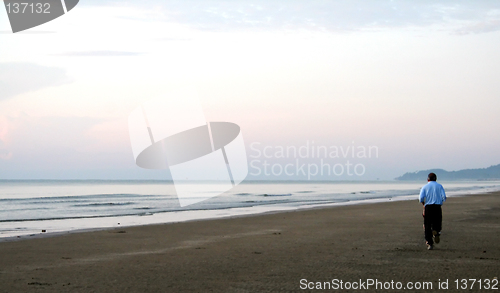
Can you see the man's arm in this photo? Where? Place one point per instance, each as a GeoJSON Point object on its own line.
{"type": "Point", "coordinates": [421, 198]}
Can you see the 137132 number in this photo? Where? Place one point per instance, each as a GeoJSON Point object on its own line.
{"type": "Point", "coordinates": [476, 283]}
{"type": "Point", "coordinates": [28, 8]}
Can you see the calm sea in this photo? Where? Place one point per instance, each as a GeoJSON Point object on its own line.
{"type": "Point", "coordinates": [28, 207]}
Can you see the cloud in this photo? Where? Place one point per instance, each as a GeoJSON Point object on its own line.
{"type": "Point", "coordinates": [169, 39]}
{"type": "Point", "coordinates": [98, 54]}
{"type": "Point", "coordinates": [5, 155]}
{"type": "Point", "coordinates": [480, 27]}
{"type": "Point", "coordinates": [319, 14]}
{"type": "Point", "coordinates": [19, 78]}
{"type": "Point", "coordinates": [64, 142]}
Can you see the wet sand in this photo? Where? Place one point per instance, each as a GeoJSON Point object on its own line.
{"type": "Point", "coordinates": [266, 253]}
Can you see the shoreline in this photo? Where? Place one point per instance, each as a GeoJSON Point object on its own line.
{"type": "Point", "coordinates": [265, 210]}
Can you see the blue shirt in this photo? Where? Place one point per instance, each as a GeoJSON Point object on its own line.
{"type": "Point", "coordinates": [432, 193]}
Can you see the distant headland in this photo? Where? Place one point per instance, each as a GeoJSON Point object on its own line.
{"type": "Point", "coordinates": [490, 173]}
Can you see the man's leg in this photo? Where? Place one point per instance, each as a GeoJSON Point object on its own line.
{"type": "Point", "coordinates": [437, 221]}
{"type": "Point", "coordinates": [428, 225]}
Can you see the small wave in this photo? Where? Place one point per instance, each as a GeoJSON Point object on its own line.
{"type": "Point", "coordinates": [145, 214]}
{"type": "Point", "coordinates": [283, 194]}
{"type": "Point", "coordinates": [305, 191]}
{"type": "Point", "coordinates": [243, 193]}
{"type": "Point", "coordinates": [76, 198]}
{"type": "Point", "coordinates": [104, 204]}
{"type": "Point", "coordinates": [22, 209]}
{"type": "Point", "coordinates": [65, 218]}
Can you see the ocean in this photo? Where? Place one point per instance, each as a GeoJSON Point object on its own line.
{"type": "Point", "coordinates": [28, 207]}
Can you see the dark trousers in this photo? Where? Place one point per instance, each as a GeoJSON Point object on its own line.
{"type": "Point", "coordinates": [432, 221]}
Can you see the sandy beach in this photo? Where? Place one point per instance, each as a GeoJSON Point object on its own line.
{"type": "Point", "coordinates": [267, 253]}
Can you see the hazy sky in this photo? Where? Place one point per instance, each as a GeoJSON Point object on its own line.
{"type": "Point", "coordinates": [416, 79]}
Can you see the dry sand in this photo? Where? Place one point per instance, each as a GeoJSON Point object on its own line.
{"type": "Point", "coordinates": [265, 253]}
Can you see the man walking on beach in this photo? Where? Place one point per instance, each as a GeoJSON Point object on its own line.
{"type": "Point", "coordinates": [432, 197]}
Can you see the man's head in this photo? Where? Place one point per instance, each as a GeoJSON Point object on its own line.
{"type": "Point", "coordinates": [431, 177]}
